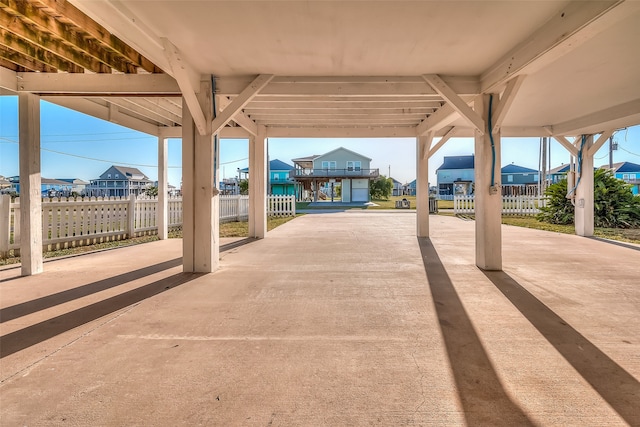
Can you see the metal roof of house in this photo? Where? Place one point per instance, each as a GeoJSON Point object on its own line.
{"type": "Point", "coordinates": [279, 165]}
{"type": "Point", "coordinates": [129, 172]}
{"type": "Point", "coordinates": [559, 169]}
{"type": "Point", "coordinates": [624, 167]}
{"type": "Point", "coordinates": [517, 169]}
{"type": "Point", "coordinates": [457, 162]}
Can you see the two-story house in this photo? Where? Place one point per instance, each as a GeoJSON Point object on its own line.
{"type": "Point", "coordinates": [517, 180]}
{"type": "Point", "coordinates": [351, 170]}
{"type": "Point", "coordinates": [280, 181]}
{"type": "Point", "coordinates": [119, 181]}
{"type": "Point", "coordinates": [629, 173]}
{"type": "Point", "coordinates": [397, 187]}
{"type": "Point", "coordinates": [455, 176]}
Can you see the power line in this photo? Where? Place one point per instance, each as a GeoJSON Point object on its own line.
{"type": "Point", "coordinates": [115, 162]}
{"type": "Point", "coordinates": [630, 152]}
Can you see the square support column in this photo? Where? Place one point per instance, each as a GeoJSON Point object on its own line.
{"type": "Point", "coordinates": [488, 198]}
{"type": "Point", "coordinates": [258, 184]}
{"type": "Point", "coordinates": [423, 143]}
{"type": "Point", "coordinates": [201, 213]}
{"type": "Point", "coordinates": [30, 184]}
{"type": "Point", "coordinates": [163, 188]}
{"type": "Point", "coordinates": [584, 209]}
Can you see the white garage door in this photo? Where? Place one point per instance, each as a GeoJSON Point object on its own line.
{"type": "Point", "coordinates": [360, 195]}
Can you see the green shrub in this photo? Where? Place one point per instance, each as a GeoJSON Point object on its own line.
{"type": "Point", "coordinates": [615, 206]}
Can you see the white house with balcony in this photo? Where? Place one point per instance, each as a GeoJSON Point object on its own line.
{"type": "Point", "coordinates": [119, 181]}
{"type": "Point", "coordinates": [351, 170]}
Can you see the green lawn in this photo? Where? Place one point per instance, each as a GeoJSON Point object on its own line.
{"type": "Point", "coordinates": [228, 229]}
{"type": "Point", "coordinates": [621, 234]}
{"type": "Point", "coordinates": [391, 202]}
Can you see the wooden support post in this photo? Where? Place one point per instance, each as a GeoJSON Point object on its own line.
{"type": "Point", "coordinates": [131, 217]}
{"type": "Point", "coordinates": [200, 235]}
{"type": "Point", "coordinates": [5, 218]}
{"type": "Point", "coordinates": [488, 198]}
{"type": "Point", "coordinates": [163, 188]}
{"type": "Point", "coordinates": [30, 184]}
{"type": "Point", "coordinates": [422, 183]}
{"type": "Point", "coordinates": [258, 184]}
{"type": "Point", "coordinates": [584, 209]}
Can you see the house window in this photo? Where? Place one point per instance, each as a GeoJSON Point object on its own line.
{"type": "Point", "coordinates": [625, 176]}
{"type": "Point", "coordinates": [509, 178]}
{"type": "Point", "coordinates": [117, 175]}
{"type": "Point", "coordinates": [536, 177]}
{"type": "Point", "coordinates": [632, 176]}
{"type": "Point", "coordinates": [108, 176]}
{"type": "Point", "coordinates": [331, 165]}
{"type": "Point", "coordinates": [354, 166]}
{"type": "Point", "coordinates": [276, 177]}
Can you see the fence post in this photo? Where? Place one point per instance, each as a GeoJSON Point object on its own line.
{"type": "Point", "coordinates": [131, 216]}
{"type": "Point", "coordinates": [5, 219]}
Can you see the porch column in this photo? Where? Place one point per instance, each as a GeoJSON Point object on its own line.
{"type": "Point", "coordinates": [258, 184]}
{"type": "Point", "coordinates": [30, 184]}
{"type": "Point", "coordinates": [584, 215]}
{"type": "Point", "coordinates": [488, 198]}
{"type": "Point", "coordinates": [423, 144]}
{"type": "Point", "coordinates": [200, 244]}
{"type": "Point", "coordinates": [163, 203]}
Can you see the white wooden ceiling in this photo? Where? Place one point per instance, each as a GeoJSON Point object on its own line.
{"type": "Point", "coordinates": [354, 68]}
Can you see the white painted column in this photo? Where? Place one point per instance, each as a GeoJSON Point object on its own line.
{"type": "Point", "coordinates": [163, 188]}
{"type": "Point", "coordinates": [30, 184]}
{"type": "Point", "coordinates": [488, 199]}
{"type": "Point", "coordinates": [201, 246]}
{"type": "Point", "coordinates": [584, 214]}
{"type": "Point", "coordinates": [423, 143]}
{"type": "Point", "coordinates": [258, 184]}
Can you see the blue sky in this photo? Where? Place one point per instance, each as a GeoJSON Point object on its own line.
{"type": "Point", "coordinates": [78, 146]}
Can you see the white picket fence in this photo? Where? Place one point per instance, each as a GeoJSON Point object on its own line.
{"type": "Point", "coordinates": [68, 222]}
{"type": "Point", "coordinates": [511, 205]}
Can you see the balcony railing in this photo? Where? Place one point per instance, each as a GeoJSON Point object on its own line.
{"type": "Point", "coordinates": [334, 173]}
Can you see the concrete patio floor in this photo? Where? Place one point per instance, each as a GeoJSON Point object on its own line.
{"type": "Point", "coordinates": [336, 319]}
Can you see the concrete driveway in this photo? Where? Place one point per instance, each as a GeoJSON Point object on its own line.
{"type": "Point", "coordinates": [335, 319]}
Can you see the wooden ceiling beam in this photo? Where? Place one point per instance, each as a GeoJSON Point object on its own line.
{"type": "Point", "coordinates": [30, 24]}
{"type": "Point", "coordinates": [18, 35]}
{"type": "Point", "coordinates": [21, 46]}
{"type": "Point", "coordinates": [24, 62]}
{"type": "Point", "coordinates": [65, 12]}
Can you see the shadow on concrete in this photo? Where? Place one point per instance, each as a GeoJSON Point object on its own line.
{"type": "Point", "coordinates": [614, 242]}
{"type": "Point", "coordinates": [31, 335]}
{"type": "Point", "coordinates": [619, 388]}
{"type": "Point", "coordinates": [237, 244]}
{"type": "Point", "coordinates": [482, 395]}
{"type": "Point", "coordinates": [28, 307]}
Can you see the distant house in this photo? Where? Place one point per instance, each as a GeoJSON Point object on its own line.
{"type": "Point", "coordinates": [280, 180]}
{"type": "Point", "coordinates": [119, 181]}
{"type": "Point", "coordinates": [48, 187]}
{"type": "Point", "coordinates": [340, 166]}
{"type": "Point", "coordinates": [518, 180]}
{"type": "Point", "coordinates": [455, 176]}
{"type": "Point", "coordinates": [397, 188]}
{"type": "Point", "coordinates": [77, 185]}
{"type": "Point", "coordinates": [629, 173]}
{"type": "Point", "coordinates": [557, 174]}
{"type": "Point", "coordinates": [409, 189]}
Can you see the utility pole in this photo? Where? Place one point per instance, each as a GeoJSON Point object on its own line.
{"type": "Point", "coordinates": [611, 152]}
{"type": "Point", "coordinates": [389, 176]}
